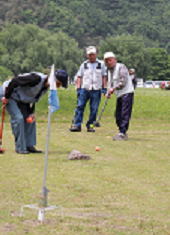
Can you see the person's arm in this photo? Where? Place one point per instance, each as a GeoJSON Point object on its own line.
{"type": "Point", "coordinates": [104, 81]}
{"type": "Point", "coordinates": [123, 73]}
{"type": "Point", "coordinates": [25, 80]}
{"type": "Point", "coordinates": [104, 85]}
{"type": "Point", "coordinates": [135, 81]}
{"type": "Point", "coordinates": [79, 77]}
{"type": "Point", "coordinates": [78, 82]}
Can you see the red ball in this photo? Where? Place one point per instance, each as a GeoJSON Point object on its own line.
{"type": "Point", "coordinates": [29, 119]}
{"type": "Point", "coordinates": [97, 148]}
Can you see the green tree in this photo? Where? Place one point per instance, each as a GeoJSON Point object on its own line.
{"type": "Point", "coordinates": [158, 60]}
{"type": "Point", "coordinates": [90, 21]}
{"type": "Point", "coordinates": [27, 47]}
{"type": "Point", "coordinates": [129, 49]}
{"type": "Point", "coordinates": [4, 74]}
{"type": "Point", "coordinates": [64, 52]}
{"type": "Point", "coordinates": [168, 69]}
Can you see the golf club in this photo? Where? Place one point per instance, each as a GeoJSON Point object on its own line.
{"type": "Point", "coordinates": [73, 118]}
{"type": "Point", "coordinates": [97, 122]}
{"type": "Point", "coordinates": [74, 115]}
{"type": "Point", "coordinates": [1, 128]}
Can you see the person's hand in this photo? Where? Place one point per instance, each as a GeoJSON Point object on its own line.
{"type": "Point", "coordinates": [30, 118]}
{"type": "Point", "coordinates": [110, 92]}
{"type": "Point", "coordinates": [104, 91]}
{"type": "Point", "coordinates": [4, 100]}
{"type": "Point", "coordinates": [108, 96]}
{"type": "Point", "coordinates": [78, 91]}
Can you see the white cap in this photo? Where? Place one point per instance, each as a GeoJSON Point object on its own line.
{"type": "Point", "coordinates": [91, 50]}
{"type": "Point", "coordinates": [109, 55]}
{"type": "Point", "coordinates": [132, 70]}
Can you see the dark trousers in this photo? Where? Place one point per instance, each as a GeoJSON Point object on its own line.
{"type": "Point", "coordinates": [123, 111]}
{"type": "Point", "coordinates": [94, 97]}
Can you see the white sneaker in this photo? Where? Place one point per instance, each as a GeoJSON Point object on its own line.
{"type": "Point", "coordinates": [120, 136]}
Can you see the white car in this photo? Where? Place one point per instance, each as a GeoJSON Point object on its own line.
{"type": "Point", "coordinates": [158, 84]}
{"type": "Point", "coordinates": [140, 82]}
{"type": "Point", "coordinates": [149, 84]}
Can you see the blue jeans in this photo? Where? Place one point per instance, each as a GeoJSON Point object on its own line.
{"type": "Point", "coordinates": [94, 97]}
{"type": "Point", "coordinates": [24, 133]}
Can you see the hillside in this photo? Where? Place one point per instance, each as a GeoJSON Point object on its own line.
{"type": "Point", "coordinates": [36, 33]}
{"type": "Point", "coordinates": [92, 20]}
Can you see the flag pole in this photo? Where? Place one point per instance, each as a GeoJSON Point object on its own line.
{"type": "Point", "coordinates": [46, 149]}
{"type": "Point", "coordinates": [44, 196]}
{"type": "Point", "coordinates": [53, 106]}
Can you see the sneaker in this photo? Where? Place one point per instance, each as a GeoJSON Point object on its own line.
{"type": "Point", "coordinates": [120, 136]}
{"type": "Point", "coordinates": [22, 151]}
{"type": "Point", "coordinates": [32, 149]}
{"type": "Point", "coordinates": [90, 128]}
{"type": "Point", "coordinates": [75, 128]}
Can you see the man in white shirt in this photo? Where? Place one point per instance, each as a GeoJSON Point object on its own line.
{"type": "Point", "coordinates": [90, 79]}
{"type": "Point", "coordinates": [120, 83]}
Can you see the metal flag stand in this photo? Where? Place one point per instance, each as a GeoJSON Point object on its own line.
{"type": "Point", "coordinates": [43, 204]}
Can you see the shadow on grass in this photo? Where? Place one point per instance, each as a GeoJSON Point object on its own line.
{"type": "Point", "coordinates": [139, 139]}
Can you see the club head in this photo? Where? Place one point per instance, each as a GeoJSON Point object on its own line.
{"type": "Point", "coordinates": [97, 124]}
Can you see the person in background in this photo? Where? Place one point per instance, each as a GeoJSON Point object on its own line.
{"type": "Point", "coordinates": [20, 95]}
{"type": "Point", "coordinates": [121, 85]}
{"type": "Point", "coordinates": [132, 74]}
{"type": "Point", "coordinates": [90, 79]}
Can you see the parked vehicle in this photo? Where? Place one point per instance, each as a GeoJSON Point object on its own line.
{"type": "Point", "coordinates": [157, 84]}
{"type": "Point", "coordinates": [165, 85]}
{"type": "Point", "coordinates": [140, 82]}
{"type": "Point", "coordinates": [149, 84]}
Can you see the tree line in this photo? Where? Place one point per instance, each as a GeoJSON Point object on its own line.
{"type": "Point", "coordinates": [36, 33]}
{"type": "Point", "coordinates": [25, 48]}
{"type": "Point", "coordinates": [89, 21]}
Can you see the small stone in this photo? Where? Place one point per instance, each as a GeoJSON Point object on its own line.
{"type": "Point", "coordinates": [77, 155]}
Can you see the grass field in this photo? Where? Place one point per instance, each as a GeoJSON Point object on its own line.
{"type": "Point", "coordinates": [124, 188]}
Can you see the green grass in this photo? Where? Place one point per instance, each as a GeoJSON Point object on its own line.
{"type": "Point", "coordinates": [124, 189]}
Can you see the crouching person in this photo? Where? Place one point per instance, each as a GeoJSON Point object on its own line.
{"type": "Point", "coordinates": [20, 95]}
{"type": "Point", "coordinates": [120, 83]}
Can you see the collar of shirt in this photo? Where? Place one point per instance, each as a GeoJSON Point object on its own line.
{"type": "Point", "coordinates": [94, 64]}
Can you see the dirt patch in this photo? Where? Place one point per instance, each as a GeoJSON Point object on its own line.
{"type": "Point", "coordinates": [7, 228]}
